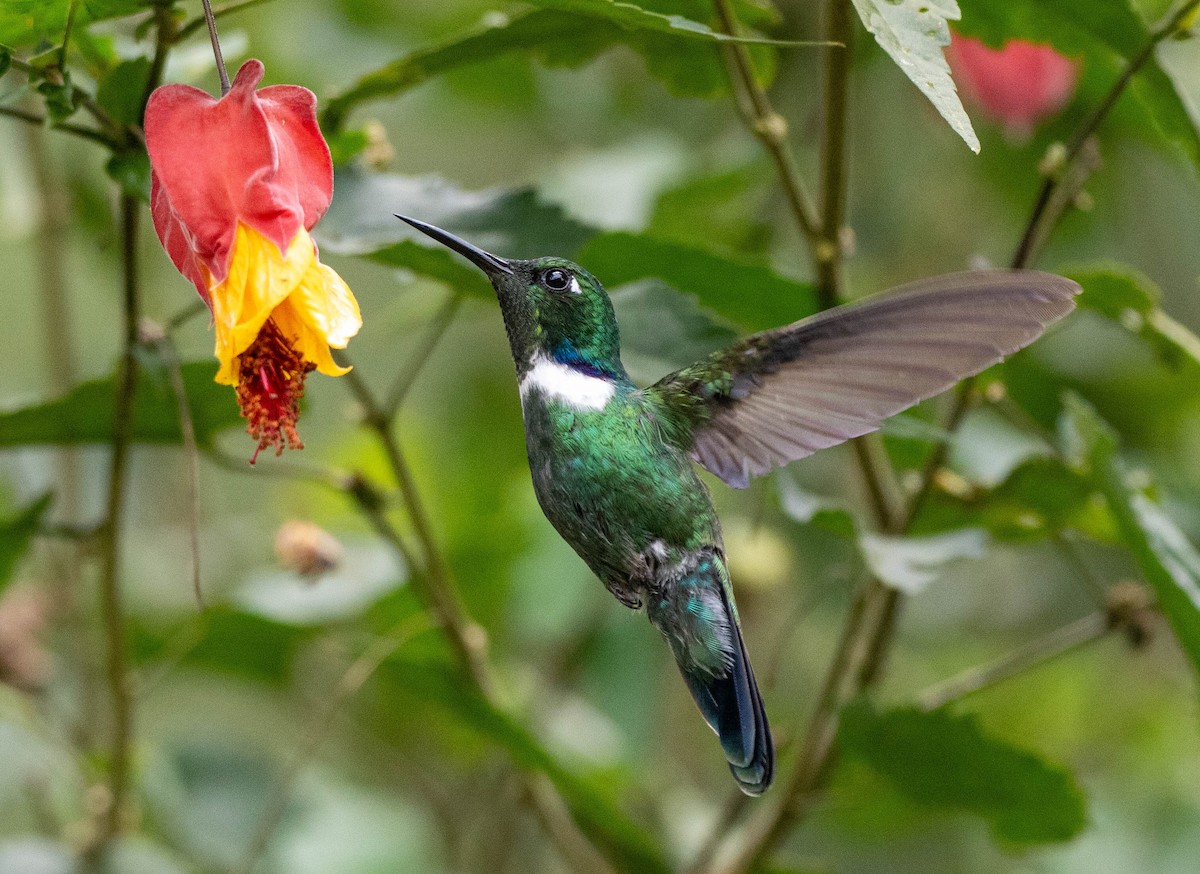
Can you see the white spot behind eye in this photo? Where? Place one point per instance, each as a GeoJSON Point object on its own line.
{"type": "Point", "coordinates": [574, 289]}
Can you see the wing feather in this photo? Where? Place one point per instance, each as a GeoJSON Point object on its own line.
{"type": "Point", "coordinates": [784, 394]}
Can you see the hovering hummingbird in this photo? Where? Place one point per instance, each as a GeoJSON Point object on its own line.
{"type": "Point", "coordinates": [612, 463]}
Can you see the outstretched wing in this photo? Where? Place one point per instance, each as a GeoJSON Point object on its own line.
{"type": "Point", "coordinates": [783, 394]}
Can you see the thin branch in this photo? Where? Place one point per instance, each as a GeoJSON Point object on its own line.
{"type": "Point", "coordinates": [1031, 655]}
{"type": "Point", "coordinates": [33, 118]}
{"type": "Point", "coordinates": [216, 47]}
{"type": "Point", "coordinates": [119, 680]}
{"type": "Point", "coordinates": [349, 685]}
{"type": "Point", "coordinates": [418, 357]}
{"type": "Point", "coordinates": [769, 126]}
{"type": "Point", "coordinates": [165, 347]}
{"type": "Point", "coordinates": [839, 28]}
{"type": "Point", "coordinates": [1169, 26]}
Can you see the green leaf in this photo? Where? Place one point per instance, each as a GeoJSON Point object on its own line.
{"type": "Point", "coordinates": [666, 328]}
{"type": "Point", "coordinates": [121, 92]}
{"type": "Point", "coordinates": [1131, 299]}
{"type": "Point", "coordinates": [346, 145]}
{"type": "Point", "coordinates": [60, 97]}
{"type": "Point", "coordinates": [565, 37]}
{"type": "Point", "coordinates": [16, 534]}
{"type": "Point", "coordinates": [945, 761]}
{"type": "Point", "coordinates": [913, 33]}
{"type": "Point", "coordinates": [85, 414]}
{"type": "Point", "coordinates": [1169, 562]}
{"type": "Point", "coordinates": [511, 223]}
{"type": "Point", "coordinates": [5, 59]}
{"type": "Point", "coordinates": [130, 169]}
{"type": "Point", "coordinates": [744, 291]}
{"type": "Point", "coordinates": [29, 22]}
{"type": "Point", "coordinates": [1105, 37]}
{"type": "Point", "coordinates": [633, 17]}
{"type": "Point", "coordinates": [610, 828]}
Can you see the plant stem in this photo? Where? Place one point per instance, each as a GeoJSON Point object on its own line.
{"type": "Point", "coordinates": [119, 680]}
{"type": "Point", "coordinates": [1033, 654]}
{"type": "Point", "coordinates": [467, 639]}
{"type": "Point", "coordinates": [351, 681]}
{"type": "Point", "coordinates": [1025, 249]}
{"type": "Point", "coordinates": [838, 28]}
{"type": "Point", "coordinates": [196, 23]}
{"type": "Point", "coordinates": [40, 120]}
{"type": "Point", "coordinates": [418, 357]}
{"type": "Point", "coordinates": [216, 47]}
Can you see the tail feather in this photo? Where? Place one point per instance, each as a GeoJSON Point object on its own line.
{"type": "Point", "coordinates": [696, 616]}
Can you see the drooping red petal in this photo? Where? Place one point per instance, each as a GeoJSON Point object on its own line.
{"type": "Point", "coordinates": [254, 157]}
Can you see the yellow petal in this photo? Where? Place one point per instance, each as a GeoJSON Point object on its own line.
{"type": "Point", "coordinates": [260, 277]}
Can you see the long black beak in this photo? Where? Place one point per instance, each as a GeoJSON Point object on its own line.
{"type": "Point", "coordinates": [485, 261]}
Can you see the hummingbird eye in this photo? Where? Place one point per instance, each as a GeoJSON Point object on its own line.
{"type": "Point", "coordinates": [556, 279]}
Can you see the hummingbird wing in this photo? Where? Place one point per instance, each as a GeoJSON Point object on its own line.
{"type": "Point", "coordinates": [783, 394]}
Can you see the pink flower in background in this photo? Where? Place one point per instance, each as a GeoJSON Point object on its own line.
{"type": "Point", "coordinates": [1018, 85]}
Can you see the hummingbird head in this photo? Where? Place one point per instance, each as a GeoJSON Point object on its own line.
{"type": "Point", "coordinates": [552, 307]}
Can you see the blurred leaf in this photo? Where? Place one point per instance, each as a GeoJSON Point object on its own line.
{"type": "Point", "coordinates": [1131, 299]}
{"type": "Point", "coordinates": [597, 815]}
{"type": "Point", "coordinates": [809, 508]}
{"type": "Point", "coordinates": [231, 641]}
{"type": "Point", "coordinates": [513, 223]}
{"type": "Point", "coordinates": [28, 22]}
{"type": "Point", "coordinates": [1039, 498]}
{"type": "Point", "coordinates": [567, 33]}
{"type": "Point", "coordinates": [346, 145]}
{"type": "Point", "coordinates": [726, 205]}
{"type": "Point", "coordinates": [909, 564]}
{"type": "Point", "coordinates": [633, 17]}
{"type": "Point", "coordinates": [84, 415]}
{"type": "Point", "coordinates": [1106, 36]}
{"type": "Point", "coordinates": [750, 294]}
{"type": "Point", "coordinates": [913, 33]}
{"type": "Point", "coordinates": [946, 761]}
{"type": "Point", "coordinates": [5, 59]}
{"type": "Point", "coordinates": [60, 97]}
{"type": "Point", "coordinates": [666, 326]}
{"type": "Point", "coordinates": [16, 534]}
{"type": "Point", "coordinates": [1168, 560]}
{"type": "Point", "coordinates": [121, 92]}
{"type": "Point", "coordinates": [130, 169]}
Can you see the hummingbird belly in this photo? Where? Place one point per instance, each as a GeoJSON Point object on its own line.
{"type": "Point", "coordinates": [622, 498]}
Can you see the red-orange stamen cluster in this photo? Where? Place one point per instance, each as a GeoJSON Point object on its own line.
{"type": "Point", "coordinates": [270, 384]}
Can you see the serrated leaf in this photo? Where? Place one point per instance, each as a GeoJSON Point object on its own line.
{"type": "Point", "coordinates": [946, 761]}
{"type": "Point", "coordinates": [744, 291]}
{"type": "Point", "coordinates": [1106, 36]}
{"type": "Point", "coordinates": [17, 533]}
{"type": "Point", "coordinates": [85, 414]}
{"type": "Point", "coordinates": [913, 33]}
{"type": "Point", "coordinates": [121, 92]}
{"type": "Point", "coordinates": [1169, 562]}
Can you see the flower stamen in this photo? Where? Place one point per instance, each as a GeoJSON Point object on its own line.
{"type": "Point", "coordinates": [270, 384]}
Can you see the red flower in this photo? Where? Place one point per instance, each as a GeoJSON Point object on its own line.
{"type": "Point", "coordinates": [1019, 84]}
{"type": "Point", "coordinates": [237, 183]}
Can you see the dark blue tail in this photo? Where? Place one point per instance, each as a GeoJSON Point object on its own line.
{"type": "Point", "coordinates": [697, 617]}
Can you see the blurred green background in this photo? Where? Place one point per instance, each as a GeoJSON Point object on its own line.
{"type": "Point", "coordinates": [407, 779]}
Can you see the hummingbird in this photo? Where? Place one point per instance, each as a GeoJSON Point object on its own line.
{"type": "Point", "coordinates": [613, 465]}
